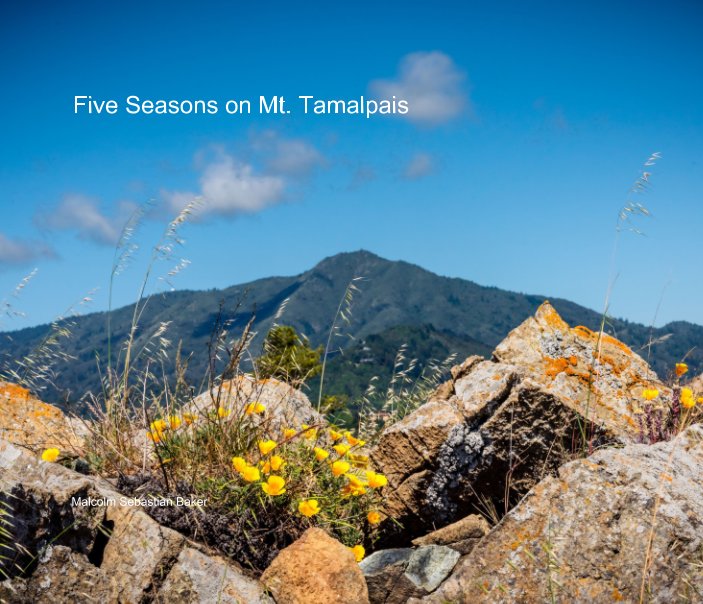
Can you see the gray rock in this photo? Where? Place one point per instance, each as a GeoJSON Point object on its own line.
{"type": "Point", "coordinates": [430, 565]}
{"type": "Point", "coordinates": [383, 570]}
{"type": "Point", "coordinates": [395, 575]}
{"type": "Point", "coordinates": [62, 576]}
{"type": "Point", "coordinates": [200, 579]}
{"type": "Point", "coordinates": [622, 525]}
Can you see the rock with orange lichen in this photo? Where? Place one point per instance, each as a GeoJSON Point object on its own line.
{"type": "Point", "coordinates": [597, 375]}
{"type": "Point", "coordinates": [499, 426]}
{"type": "Point", "coordinates": [623, 525]}
{"type": "Point", "coordinates": [29, 422]}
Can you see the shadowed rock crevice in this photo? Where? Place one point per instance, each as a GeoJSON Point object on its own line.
{"type": "Point", "coordinates": [102, 538]}
{"type": "Point", "coordinates": [40, 522]}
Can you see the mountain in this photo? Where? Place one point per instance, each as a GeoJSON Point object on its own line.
{"type": "Point", "coordinates": [393, 295]}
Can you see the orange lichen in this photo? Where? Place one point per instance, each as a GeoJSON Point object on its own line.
{"type": "Point", "coordinates": [617, 596]}
{"type": "Point", "coordinates": [551, 317]}
{"type": "Point", "coordinates": [584, 332]}
{"type": "Point", "coordinates": [555, 366]}
{"type": "Point", "coordinates": [606, 339]}
{"type": "Point", "coordinates": [13, 391]}
{"type": "Point", "coordinates": [573, 360]}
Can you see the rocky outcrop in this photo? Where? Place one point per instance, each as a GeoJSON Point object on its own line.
{"type": "Point", "coordinates": [27, 421]}
{"type": "Point", "coordinates": [316, 568]}
{"type": "Point", "coordinates": [500, 426]}
{"type": "Point", "coordinates": [623, 525]}
{"type": "Point", "coordinates": [74, 538]}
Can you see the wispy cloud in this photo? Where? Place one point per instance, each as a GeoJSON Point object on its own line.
{"type": "Point", "coordinates": [419, 166]}
{"type": "Point", "coordinates": [287, 156]}
{"type": "Point", "coordinates": [84, 216]}
{"type": "Point", "coordinates": [230, 187]}
{"type": "Point", "coordinates": [14, 252]}
{"type": "Point", "coordinates": [432, 84]}
{"type": "Point", "coordinates": [364, 174]}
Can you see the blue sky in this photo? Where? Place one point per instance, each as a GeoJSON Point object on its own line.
{"type": "Point", "coordinates": [528, 123]}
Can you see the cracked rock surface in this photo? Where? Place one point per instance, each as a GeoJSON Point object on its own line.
{"type": "Point", "coordinates": [500, 426]}
{"type": "Point", "coordinates": [623, 524]}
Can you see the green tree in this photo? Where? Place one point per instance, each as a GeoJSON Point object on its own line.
{"type": "Point", "coordinates": [288, 356]}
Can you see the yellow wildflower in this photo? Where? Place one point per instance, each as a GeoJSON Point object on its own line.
{"type": "Point", "coordinates": [175, 422]}
{"type": "Point", "coordinates": [277, 462]}
{"type": "Point", "coordinates": [373, 517]}
{"type": "Point", "coordinates": [687, 398]}
{"type": "Point", "coordinates": [681, 369]}
{"type": "Point", "coordinates": [158, 425]}
{"type": "Point", "coordinates": [354, 442]}
{"type": "Point", "coordinates": [308, 432]}
{"type": "Point", "coordinates": [50, 454]}
{"type": "Point", "coordinates": [700, 400]}
{"type": "Point", "coordinates": [254, 408]}
{"type": "Point", "coordinates": [266, 446]}
{"type": "Point", "coordinates": [356, 481]}
{"type": "Point", "coordinates": [376, 480]}
{"type": "Point", "coordinates": [189, 418]}
{"type": "Point", "coordinates": [154, 437]}
{"type": "Point", "coordinates": [320, 454]}
{"type": "Point", "coordinates": [341, 449]}
{"type": "Point", "coordinates": [274, 486]}
{"type": "Point", "coordinates": [649, 394]}
{"type": "Point", "coordinates": [334, 435]}
{"type": "Point", "coordinates": [250, 474]}
{"type": "Point", "coordinates": [359, 552]}
{"type": "Point", "coordinates": [239, 463]}
{"type": "Point", "coordinates": [359, 461]}
{"type": "Point", "coordinates": [289, 433]}
{"type": "Point", "coordinates": [350, 489]}
{"type": "Point", "coordinates": [339, 468]}
{"type": "Point", "coordinates": [222, 412]}
{"type": "Point", "coordinates": [355, 487]}
{"type": "Point", "coordinates": [309, 507]}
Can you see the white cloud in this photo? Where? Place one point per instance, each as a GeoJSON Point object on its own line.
{"type": "Point", "coordinates": [419, 166]}
{"type": "Point", "coordinates": [83, 215]}
{"type": "Point", "coordinates": [287, 156]}
{"type": "Point", "coordinates": [432, 84]}
{"type": "Point", "coordinates": [230, 187]}
{"type": "Point", "coordinates": [15, 252]}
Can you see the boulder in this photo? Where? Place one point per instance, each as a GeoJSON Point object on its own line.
{"type": "Point", "coordinates": [197, 577]}
{"type": "Point", "coordinates": [395, 575]}
{"type": "Point", "coordinates": [500, 426]}
{"type": "Point", "coordinates": [315, 568]}
{"type": "Point", "coordinates": [595, 374]}
{"type": "Point", "coordinates": [27, 421]}
{"type": "Point", "coordinates": [285, 406]}
{"type": "Point", "coordinates": [461, 536]}
{"type": "Point", "coordinates": [139, 552]}
{"type": "Point", "coordinates": [623, 525]}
